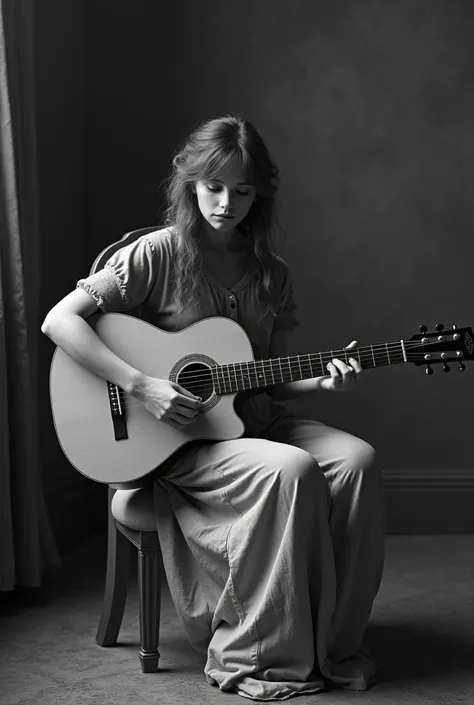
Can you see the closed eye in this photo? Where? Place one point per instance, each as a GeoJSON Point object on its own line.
{"type": "Point", "coordinates": [215, 189]}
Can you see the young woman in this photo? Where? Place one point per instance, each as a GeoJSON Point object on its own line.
{"type": "Point", "coordinates": [272, 542]}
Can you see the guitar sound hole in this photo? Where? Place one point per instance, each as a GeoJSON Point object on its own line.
{"type": "Point", "coordinates": [197, 378]}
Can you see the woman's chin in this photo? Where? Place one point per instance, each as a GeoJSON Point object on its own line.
{"type": "Point", "coordinates": [223, 224]}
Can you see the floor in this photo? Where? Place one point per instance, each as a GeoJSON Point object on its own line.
{"type": "Point", "coordinates": [421, 631]}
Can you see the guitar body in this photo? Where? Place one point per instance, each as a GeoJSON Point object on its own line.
{"type": "Point", "coordinates": [81, 407]}
{"type": "Point", "coordinates": [110, 437]}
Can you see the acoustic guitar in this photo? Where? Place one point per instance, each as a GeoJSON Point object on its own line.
{"type": "Point", "coordinates": [110, 437]}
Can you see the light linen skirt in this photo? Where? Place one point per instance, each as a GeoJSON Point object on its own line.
{"type": "Point", "coordinates": [273, 550]}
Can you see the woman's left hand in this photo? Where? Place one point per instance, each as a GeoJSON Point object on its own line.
{"type": "Point", "coordinates": [343, 376]}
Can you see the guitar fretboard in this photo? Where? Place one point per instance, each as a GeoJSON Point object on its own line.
{"type": "Point", "coordinates": [240, 376]}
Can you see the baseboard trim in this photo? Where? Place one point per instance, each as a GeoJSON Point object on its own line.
{"type": "Point", "coordinates": [429, 501]}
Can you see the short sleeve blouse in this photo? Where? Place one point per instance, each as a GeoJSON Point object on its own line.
{"type": "Point", "coordinates": [140, 276]}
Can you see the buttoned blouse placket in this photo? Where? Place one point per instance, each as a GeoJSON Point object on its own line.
{"type": "Point", "coordinates": [231, 294]}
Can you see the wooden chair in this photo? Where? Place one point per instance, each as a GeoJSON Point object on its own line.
{"type": "Point", "coordinates": [131, 521]}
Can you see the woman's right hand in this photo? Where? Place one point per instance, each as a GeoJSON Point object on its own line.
{"type": "Point", "coordinates": [168, 401]}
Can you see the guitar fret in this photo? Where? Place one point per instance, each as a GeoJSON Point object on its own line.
{"type": "Point", "coordinates": [301, 371]}
{"type": "Point", "coordinates": [373, 356]}
{"type": "Point", "coordinates": [271, 370]}
{"type": "Point", "coordinates": [290, 369]}
{"type": "Point", "coordinates": [388, 354]}
{"type": "Point", "coordinates": [222, 380]}
{"type": "Point", "coordinates": [235, 376]}
{"type": "Point", "coordinates": [215, 380]}
{"type": "Point", "coordinates": [281, 371]}
{"type": "Point", "coordinates": [228, 375]}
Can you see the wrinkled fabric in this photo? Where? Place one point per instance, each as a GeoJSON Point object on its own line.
{"type": "Point", "coordinates": [272, 543]}
{"type": "Point", "coordinates": [273, 551]}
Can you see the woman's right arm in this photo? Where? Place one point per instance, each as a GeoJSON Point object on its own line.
{"type": "Point", "coordinates": [65, 324]}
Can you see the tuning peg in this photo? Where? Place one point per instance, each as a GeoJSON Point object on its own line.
{"type": "Point", "coordinates": [429, 370]}
{"type": "Point", "coordinates": [439, 327]}
{"type": "Point", "coordinates": [454, 326]}
{"type": "Point", "coordinates": [423, 329]}
{"type": "Point", "coordinates": [446, 367]}
{"type": "Point", "coordinates": [461, 367]}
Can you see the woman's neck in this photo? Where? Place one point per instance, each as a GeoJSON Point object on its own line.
{"type": "Point", "coordinates": [225, 242]}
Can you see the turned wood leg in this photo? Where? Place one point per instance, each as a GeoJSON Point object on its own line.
{"type": "Point", "coordinates": [116, 584]}
{"type": "Point", "coordinates": [149, 587]}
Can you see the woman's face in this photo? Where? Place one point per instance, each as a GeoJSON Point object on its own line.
{"type": "Point", "coordinates": [225, 200]}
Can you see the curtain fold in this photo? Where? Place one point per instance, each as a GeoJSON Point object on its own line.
{"type": "Point", "coordinates": [26, 541]}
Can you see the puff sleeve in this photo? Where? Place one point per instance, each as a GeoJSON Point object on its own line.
{"type": "Point", "coordinates": [126, 279]}
{"type": "Point", "coordinates": [285, 318]}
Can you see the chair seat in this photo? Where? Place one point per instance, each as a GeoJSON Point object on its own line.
{"type": "Point", "coordinates": [135, 508]}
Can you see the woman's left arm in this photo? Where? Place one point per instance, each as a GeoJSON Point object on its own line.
{"type": "Point", "coordinates": [341, 378]}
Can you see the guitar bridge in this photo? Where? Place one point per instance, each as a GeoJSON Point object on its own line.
{"type": "Point", "coordinates": [117, 411]}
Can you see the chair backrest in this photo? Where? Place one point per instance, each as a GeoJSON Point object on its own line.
{"type": "Point", "coordinates": [107, 252]}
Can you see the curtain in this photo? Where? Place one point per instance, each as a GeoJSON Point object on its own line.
{"type": "Point", "coordinates": [26, 541]}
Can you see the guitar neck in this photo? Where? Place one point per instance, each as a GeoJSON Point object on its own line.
{"type": "Point", "coordinates": [242, 376]}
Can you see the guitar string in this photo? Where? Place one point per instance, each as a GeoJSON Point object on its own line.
{"type": "Point", "coordinates": [135, 404]}
{"type": "Point", "coordinates": [267, 367]}
{"type": "Point", "coordinates": [271, 366]}
{"type": "Point", "coordinates": [124, 395]}
{"type": "Point", "coordinates": [303, 358]}
{"type": "Point", "coordinates": [223, 382]}
{"type": "Point", "coordinates": [130, 405]}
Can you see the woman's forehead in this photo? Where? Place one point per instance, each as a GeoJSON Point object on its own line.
{"type": "Point", "coordinates": [231, 173]}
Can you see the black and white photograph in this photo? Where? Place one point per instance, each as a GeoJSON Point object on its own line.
{"type": "Point", "coordinates": [236, 352]}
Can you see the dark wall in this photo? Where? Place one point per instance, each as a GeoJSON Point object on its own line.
{"type": "Point", "coordinates": [368, 108]}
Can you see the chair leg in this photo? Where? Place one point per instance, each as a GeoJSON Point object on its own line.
{"type": "Point", "coordinates": [149, 586]}
{"type": "Point", "coordinates": [116, 584]}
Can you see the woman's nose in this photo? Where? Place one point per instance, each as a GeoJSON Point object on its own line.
{"type": "Point", "coordinates": [224, 199]}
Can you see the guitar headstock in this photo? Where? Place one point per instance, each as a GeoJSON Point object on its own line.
{"type": "Point", "coordinates": [441, 347]}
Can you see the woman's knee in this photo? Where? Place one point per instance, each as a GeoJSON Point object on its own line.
{"type": "Point", "coordinates": [362, 455]}
{"type": "Point", "coordinates": [362, 461]}
{"type": "Point", "coordinates": [297, 465]}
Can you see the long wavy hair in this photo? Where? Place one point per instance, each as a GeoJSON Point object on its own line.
{"type": "Point", "coordinates": [209, 148]}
